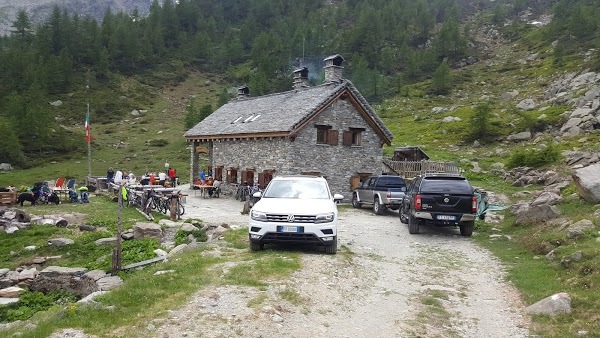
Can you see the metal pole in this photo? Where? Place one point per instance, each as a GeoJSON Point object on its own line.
{"type": "Point", "coordinates": [116, 256]}
{"type": "Point", "coordinates": [89, 147]}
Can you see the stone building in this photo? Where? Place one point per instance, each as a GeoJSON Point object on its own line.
{"type": "Point", "coordinates": [328, 130]}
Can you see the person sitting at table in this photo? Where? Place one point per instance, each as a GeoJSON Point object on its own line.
{"type": "Point", "coordinates": [145, 179]}
{"type": "Point", "coordinates": [215, 188]}
{"type": "Point", "coordinates": [152, 178]}
{"type": "Point", "coordinates": [209, 181]}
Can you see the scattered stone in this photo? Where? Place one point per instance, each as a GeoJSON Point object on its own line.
{"type": "Point", "coordinates": [56, 103]}
{"type": "Point", "coordinates": [6, 301]}
{"type": "Point", "coordinates": [160, 252]}
{"type": "Point", "coordinates": [188, 227]}
{"type": "Point", "coordinates": [169, 223]}
{"type": "Point", "coordinates": [551, 255]}
{"type": "Point", "coordinates": [5, 167]}
{"type": "Point", "coordinates": [162, 272]}
{"type": "Point", "coordinates": [574, 257]}
{"type": "Point", "coordinates": [178, 249]}
{"type": "Point", "coordinates": [518, 137]}
{"type": "Point", "coordinates": [10, 292]}
{"type": "Point", "coordinates": [85, 227]}
{"type": "Point", "coordinates": [439, 110]}
{"type": "Point", "coordinates": [527, 104]}
{"type": "Point", "coordinates": [60, 241]}
{"type": "Point", "coordinates": [147, 230]}
{"type": "Point", "coordinates": [547, 197]}
{"type": "Point", "coordinates": [106, 241]}
{"type": "Point", "coordinates": [109, 283]}
{"type": "Point", "coordinates": [89, 299]}
{"type": "Point", "coordinates": [556, 304]}
{"type": "Point", "coordinates": [537, 214]}
{"type": "Point", "coordinates": [30, 248]}
{"type": "Point", "coordinates": [96, 274]}
{"type": "Point", "coordinates": [587, 181]}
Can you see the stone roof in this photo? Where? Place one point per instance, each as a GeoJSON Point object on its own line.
{"type": "Point", "coordinates": [280, 113]}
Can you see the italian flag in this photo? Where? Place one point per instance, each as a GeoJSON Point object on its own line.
{"type": "Point", "coordinates": [88, 133]}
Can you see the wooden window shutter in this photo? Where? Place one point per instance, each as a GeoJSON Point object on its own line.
{"type": "Point", "coordinates": [229, 176]}
{"type": "Point", "coordinates": [244, 177]}
{"type": "Point", "coordinates": [261, 180]}
{"type": "Point", "coordinates": [332, 136]}
{"type": "Point", "coordinates": [347, 138]}
{"type": "Point", "coordinates": [354, 182]}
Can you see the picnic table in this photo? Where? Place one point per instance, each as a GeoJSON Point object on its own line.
{"type": "Point", "coordinates": [204, 188]}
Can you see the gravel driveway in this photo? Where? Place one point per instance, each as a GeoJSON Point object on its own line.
{"type": "Point", "coordinates": [383, 282]}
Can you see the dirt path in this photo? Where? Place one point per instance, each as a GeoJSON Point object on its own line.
{"type": "Point", "coordinates": [384, 282]}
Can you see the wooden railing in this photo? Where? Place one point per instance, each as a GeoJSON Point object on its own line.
{"type": "Point", "coordinates": [410, 169]}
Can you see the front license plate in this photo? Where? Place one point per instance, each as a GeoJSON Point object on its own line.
{"type": "Point", "coordinates": [446, 217]}
{"type": "Point", "coordinates": [287, 229]}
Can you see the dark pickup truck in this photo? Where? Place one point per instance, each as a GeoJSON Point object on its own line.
{"type": "Point", "coordinates": [441, 200]}
{"type": "Point", "coordinates": [382, 191]}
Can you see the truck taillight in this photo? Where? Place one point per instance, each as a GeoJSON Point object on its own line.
{"type": "Point", "coordinates": [418, 202]}
{"type": "Point", "coordinates": [389, 195]}
{"type": "Point", "coordinates": [474, 207]}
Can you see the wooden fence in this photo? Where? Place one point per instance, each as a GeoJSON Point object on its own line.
{"type": "Point", "coordinates": [410, 169]}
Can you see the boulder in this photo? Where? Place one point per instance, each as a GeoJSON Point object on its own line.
{"type": "Point", "coordinates": [438, 110]}
{"type": "Point", "coordinates": [10, 292]}
{"type": "Point", "coordinates": [109, 283]}
{"type": "Point", "coordinates": [547, 197]}
{"type": "Point", "coordinates": [96, 274]}
{"type": "Point", "coordinates": [527, 104]}
{"type": "Point", "coordinates": [3, 272]}
{"type": "Point", "coordinates": [60, 241]}
{"type": "Point", "coordinates": [6, 301]}
{"type": "Point", "coordinates": [106, 241]}
{"type": "Point", "coordinates": [5, 166]}
{"type": "Point", "coordinates": [188, 227]}
{"type": "Point", "coordinates": [147, 230]}
{"type": "Point", "coordinates": [587, 181]}
{"type": "Point", "coordinates": [72, 280]}
{"type": "Point", "coordinates": [556, 304]}
{"type": "Point", "coordinates": [574, 257]}
{"type": "Point", "coordinates": [578, 229]}
{"type": "Point", "coordinates": [85, 227]}
{"type": "Point", "coordinates": [536, 214]}
{"type": "Point", "coordinates": [178, 249]}
{"type": "Point", "coordinates": [509, 95]}
{"type": "Point", "coordinates": [522, 136]}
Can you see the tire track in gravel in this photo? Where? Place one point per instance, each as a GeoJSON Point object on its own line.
{"type": "Point", "coordinates": [383, 282]}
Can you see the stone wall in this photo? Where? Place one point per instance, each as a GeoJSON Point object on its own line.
{"type": "Point", "coordinates": [338, 163]}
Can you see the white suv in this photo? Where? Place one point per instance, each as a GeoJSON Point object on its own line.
{"type": "Point", "coordinates": [295, 209]}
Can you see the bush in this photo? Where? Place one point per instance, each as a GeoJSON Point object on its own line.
{"type": "Point", "coordinates": [181, 237]}
{"type": "Point", "coordinates": [32, 302]}
{"type": "Point", "coordinates": [161, 142]}
{"type": "Point", "coordinates": [534, 157]}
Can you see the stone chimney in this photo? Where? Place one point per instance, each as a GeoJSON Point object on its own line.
{"type": "Point", "coordinates": [243, 93]}
{"type": "Point", "coordinates": [333, 68]}
{"type": "Point", "coordinates": [301, 78]}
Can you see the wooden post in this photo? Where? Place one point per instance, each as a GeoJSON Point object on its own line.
{"type": "Point", "coordinates": [173, 207]}
{"type": "Point", "coordinates": [116, 256]}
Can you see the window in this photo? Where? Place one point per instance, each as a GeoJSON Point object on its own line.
{"type": "Point", "coordinates": [353, 137]}
{"type": "Point", "coordinates": [219, 173]}
{"type": "Point", "coordinates": [264, 178]}
{"type": "Point", "coordinates": [232, 175]}
{"type": "Point", "coordinates": [326, 135]}
{"type": "Point", "coordinates": [248, 176]}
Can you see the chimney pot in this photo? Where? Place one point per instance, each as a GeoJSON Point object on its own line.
{"type": "Point", "coordinates": [333, 68]}
{"type": "Point", "coordinates": [301, 78]}
{"type": "Point", "coordinates": [243, 92]}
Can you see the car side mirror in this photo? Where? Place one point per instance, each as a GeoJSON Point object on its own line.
{"type": "Point", "coordinates": [337, 197]}
{"type": "Point", "coordinates": [257, 194]}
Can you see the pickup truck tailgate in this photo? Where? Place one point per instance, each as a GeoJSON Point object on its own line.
{"type": "Point", "coordinates": [447, 203]}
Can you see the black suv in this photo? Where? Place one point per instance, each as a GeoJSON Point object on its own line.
{"type": "Point", "coordinates": [441, 200]}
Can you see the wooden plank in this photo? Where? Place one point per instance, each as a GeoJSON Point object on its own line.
{"type": "Point", "coordinates": [144, 263]}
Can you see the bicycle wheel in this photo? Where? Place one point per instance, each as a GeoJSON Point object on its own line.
{"type": "Point", "coordinates": [180, 208]}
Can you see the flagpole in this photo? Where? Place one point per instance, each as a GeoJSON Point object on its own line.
{"type": "Point", "coordinates": [89, 146]}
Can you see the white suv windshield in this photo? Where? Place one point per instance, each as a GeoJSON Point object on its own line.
{"type": "Point", "coordinates": [297, 189]}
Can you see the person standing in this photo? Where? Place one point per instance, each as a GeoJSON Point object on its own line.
{"type": "Point", "coordinates": [172, 176]}
{"type": "Point", "coordinates": [162, 177]}
{"type": "Point", "coordinates": [202, 176]}
{"type": "Point", "coordinates": [118, 177]}
{"type": "Point", "coordinates": [110, 174]}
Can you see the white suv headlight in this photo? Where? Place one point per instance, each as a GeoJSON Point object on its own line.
{"type": "Point", "coordinates": [258, 216]}
{"type": "Point", "coordinates": [325, 218]}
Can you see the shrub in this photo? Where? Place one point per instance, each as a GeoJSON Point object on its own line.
{"type": "Point", "coordinates": [534, 157]}
{"type": "Point", "coordinates": [32, 302]}
{"type": "Point", "coordinates": [181, 237]}
{"type": "Point", "coordinates": [160, 142]}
